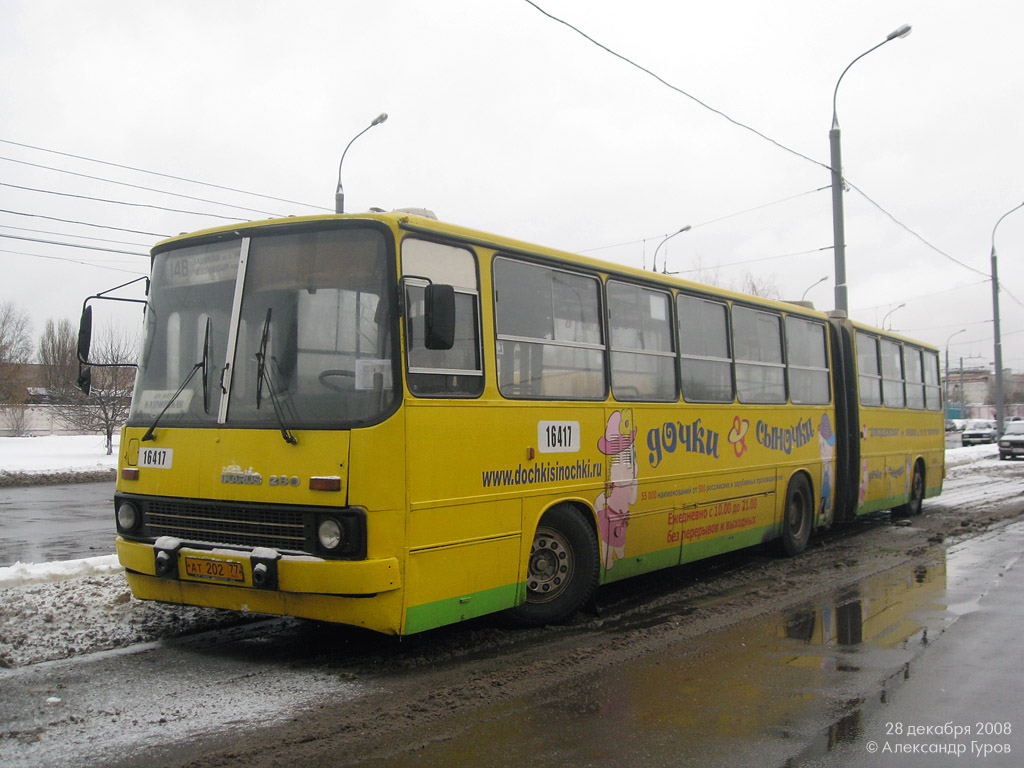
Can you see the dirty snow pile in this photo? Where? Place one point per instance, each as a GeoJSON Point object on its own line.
{"type": "Point", "coordinates": [56, 610]}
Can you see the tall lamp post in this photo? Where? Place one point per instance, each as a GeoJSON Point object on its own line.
{"type": "Point", "coordinates": [339, 193]}
{"type": "Point", "coordinates": [901, 306]}
{"type": "Point", "coordinates": [838, 234]}
{"type": "Point", "coordinates": [995, 326]}
{"type": "Point", "coordinates": [654, 261]}
{"type": "Point", "coordinates": [816, 282]}
{"type": "Point", "coordinates": [946, 397]}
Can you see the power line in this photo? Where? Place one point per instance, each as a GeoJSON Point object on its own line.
{"type": "Point", "coordinates": [72, 261]}
{"type": "Point", "coordinates": [82, 223]}
{"type": "Point", "coordinates": [72, 245]}
{"type": "Point", "coordinates": [747, 128]}
{"type": "Point", "coordinates": [163, 175]}
{"type": "Point", "coordinates": [65, 234]}
{"type": "Point", "coordinates": [712, 221]}
{"type": "Point", "coordinates": [121, 202]}
{"type": "Point", "coordinates": [139, 186]}
{"type": "Point", "coordinates": [912, 232]}
{"type": "Point", "coordinates": [753, 261]}
{"type": "Point", "coordinates": [677, 89]}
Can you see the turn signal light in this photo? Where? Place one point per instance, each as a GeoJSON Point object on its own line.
{"type": "Point", "coordinates": [325, 483]}
{"type": "Point", "coordinates": [129, 473]}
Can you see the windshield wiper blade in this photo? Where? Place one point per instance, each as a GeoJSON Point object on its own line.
{"type": "Point", "coordinates": [262, 375]}
{"type": "Point", "coordinates": [204, 366]}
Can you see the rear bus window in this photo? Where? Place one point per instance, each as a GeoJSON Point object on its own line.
{"type": "Point", "coordinates": [807, 356]}
{"type": "Point", "coordinates": [869, 378]}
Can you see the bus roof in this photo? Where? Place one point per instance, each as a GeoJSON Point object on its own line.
{"type": "Point", "coordinates": [411, 222]}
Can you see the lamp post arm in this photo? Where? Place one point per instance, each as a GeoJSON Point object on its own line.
{"type": "Point", "coordinates": [339, 193]}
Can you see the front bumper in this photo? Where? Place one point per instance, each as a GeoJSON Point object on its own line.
{"type": "Point", "coordinates": [361, 593]}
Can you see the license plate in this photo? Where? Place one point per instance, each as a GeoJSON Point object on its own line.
{"type": "Point", "coordinates": [218, 570]}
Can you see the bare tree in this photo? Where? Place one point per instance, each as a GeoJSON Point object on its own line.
{"type": "Point", "coordinates": [15, 351]}
{"type": "Point", "coordinates": [765, 287]}
{"type": "Point", "coordinates": [15, 417]}
{"type": "Point", "coordinates": [106, 406]}
{"type": "Point", "coordinates": [58, 354]}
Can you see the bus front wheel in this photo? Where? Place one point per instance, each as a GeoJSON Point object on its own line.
{"type": "Point", "coordinates": [798, 516]}
{"type": "Point", "coordinates": [563, 569]}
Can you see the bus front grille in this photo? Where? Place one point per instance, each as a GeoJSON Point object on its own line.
{"type": "Point", "coordinates": [218, 523]}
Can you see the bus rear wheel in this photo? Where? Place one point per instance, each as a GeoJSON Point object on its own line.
{"type": "Point", "coordinates": [563, 568]}
{"type": "Point", "coordinates": [913, 505]}
{"type": "Point", "coordinates": [798, 517]}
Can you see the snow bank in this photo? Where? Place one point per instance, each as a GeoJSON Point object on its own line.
{"type": "Point", "coordinates": [44, 573]}
{"type": "Point", "coordinates": [56, 454]}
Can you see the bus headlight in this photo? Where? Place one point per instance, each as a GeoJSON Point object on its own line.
{"type": "Point", "coordinates": [127, 516]}
{"type": "Point", "coordinates": [331, 534]}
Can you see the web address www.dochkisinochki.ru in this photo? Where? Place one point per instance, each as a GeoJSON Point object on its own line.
{"type": "Point", "coordinates": [543, 472]}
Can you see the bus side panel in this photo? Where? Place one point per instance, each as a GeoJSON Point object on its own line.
{"type": "Point", "coordinates": [475, 487]}
{"type": "Point", "coordinates": [892, 441]}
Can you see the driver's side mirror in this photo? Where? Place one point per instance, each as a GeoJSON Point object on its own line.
{"type": "Point", "coordinates": [85, 335]}
{"type": "Point", "coordinates": [439, 316]}
{"type": "Point", "coordinates": [84, 343]}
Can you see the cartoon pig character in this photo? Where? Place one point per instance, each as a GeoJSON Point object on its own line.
{"type": "Point", "coordinates": [621, 487]}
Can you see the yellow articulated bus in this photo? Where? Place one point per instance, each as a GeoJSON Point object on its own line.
{"type": "Point", "coordinates": [391, 422]}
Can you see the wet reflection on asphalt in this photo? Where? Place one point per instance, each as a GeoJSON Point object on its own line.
{"type": "Point", "coordinates": [781, 690]}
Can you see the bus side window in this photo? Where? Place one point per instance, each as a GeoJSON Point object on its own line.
{"type": "Point", "coordinates": [760, 372]}
{"type": "Point", "coordinates": [932, 389]}
{"type": "Point", "coordinates": [807, 362]}
{"type": "Point", "coordinates": [643, 361]}
{"type": "Point", "coordinates": [869, 377]}
{"type": "Point", "coordinates": [549, 333]}
{"type": "Point", "coordinates": [455, 372]}
{"type": "Point", "coordinates": [915, 378]}
{"type": "Point", "coordinates": [705, 363]}
{"type": "Point", "coordinates": [892, 374]}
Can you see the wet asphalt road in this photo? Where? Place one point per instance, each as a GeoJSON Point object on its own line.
{"type": "Point", "coordinates": [47, 523]}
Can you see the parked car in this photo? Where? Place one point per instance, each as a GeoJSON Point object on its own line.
{"type": "Point", "coordinates": [979, 431]}
{"type": "Point", "coordinates": [1012, 442]}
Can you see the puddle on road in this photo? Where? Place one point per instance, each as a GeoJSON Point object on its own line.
{"type": "Point", "coordinates": [781, 690]}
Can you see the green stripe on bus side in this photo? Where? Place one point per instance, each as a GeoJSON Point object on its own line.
{"type": "Point", "coordinates": [876, 504]}
{"type": "Point", "coordinates": [666, 558]}
{"type": "Point", "coordinates": [632, 566]}
{"type": "Point", "coordinates": [721, 544]}
{"type": "Point", "coordinates": [454, 609]}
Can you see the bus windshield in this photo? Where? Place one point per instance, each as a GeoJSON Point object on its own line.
{"type": "Point", "coordinates": [301, 339]}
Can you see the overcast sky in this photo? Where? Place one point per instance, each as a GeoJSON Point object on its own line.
{"type": "Point", "coordinates": [505, 120]}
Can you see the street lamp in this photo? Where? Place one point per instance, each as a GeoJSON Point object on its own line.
{"type": "Point", "coordinates": [339, 194]}
{"type": "Point", "coordinates": [995, 326]}
{"type": "Point", "coordinates": [956, 333]}
{"type": "Point", "coordinates": [816, 282]}
{"type": "Point", "coordinates": [838, 235]}
{"type": "Point", "coordinates": [654, 261]}
{"type": "Point", "coordinates": [901, 306]}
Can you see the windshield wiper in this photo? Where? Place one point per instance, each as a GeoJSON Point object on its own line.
{"type": "Point", "coordinates": [204, 366]}
{"type": "Point", "coordinates": [262, 375]}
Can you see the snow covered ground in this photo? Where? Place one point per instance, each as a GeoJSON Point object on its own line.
{"type": "Point", "coordinates": [36, 625]}
{"type": "Point", "coordinates": [55, 454]}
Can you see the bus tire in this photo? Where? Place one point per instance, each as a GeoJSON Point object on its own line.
{"type": "Point", "coordinates": [563, 569]}
{"type": "Point", "coordinates": [797, 517]}
{"type": "Point", "coordinates": [913, 505]}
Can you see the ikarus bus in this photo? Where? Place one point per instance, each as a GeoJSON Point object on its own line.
{"type": "Point", "coordinates": [392, 422]}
